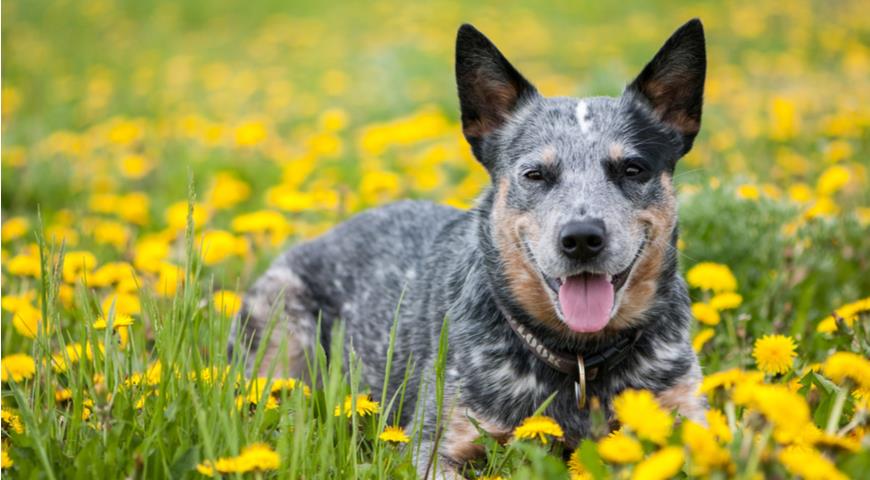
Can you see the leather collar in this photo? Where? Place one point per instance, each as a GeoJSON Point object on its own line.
{"type": "Point", "coordinates": [569, 364]}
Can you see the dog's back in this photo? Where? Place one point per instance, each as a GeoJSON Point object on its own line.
{"type": "Point", "coordinates": [356, 272]}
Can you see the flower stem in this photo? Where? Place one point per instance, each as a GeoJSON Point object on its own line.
{"type": "Point", "coordinates": [837, 410]}
{"type": "Point", "coordinates": [755, 454]}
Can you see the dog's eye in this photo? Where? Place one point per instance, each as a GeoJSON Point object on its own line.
{"type": "Point", "coordinates": [633, 169]}
{"type": "Point", "coordinates": [535, 175]}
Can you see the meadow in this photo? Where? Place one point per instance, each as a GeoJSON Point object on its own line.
{"type": "Point", "coordinates": [156, 156]}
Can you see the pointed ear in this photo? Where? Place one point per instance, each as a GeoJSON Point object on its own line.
{"type": "Point", "coordinates": [673, 82]}
{"type": "Point", "coordinates": [490, 88]}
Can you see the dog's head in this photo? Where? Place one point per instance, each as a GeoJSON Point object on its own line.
{"type": "Point", "coordinates": [583, 210]}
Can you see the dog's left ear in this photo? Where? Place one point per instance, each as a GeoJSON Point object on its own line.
{"type": "Point", "coordinates": [673, 82]}
{"type": "Point", "coordinates": [490, 88]}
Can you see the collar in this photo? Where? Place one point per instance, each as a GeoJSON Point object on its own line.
{"type": "Point", "coordinates": [574, 364]}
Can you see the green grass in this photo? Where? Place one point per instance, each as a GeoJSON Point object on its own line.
{"type": "Point", "coordinates": [321, 111]}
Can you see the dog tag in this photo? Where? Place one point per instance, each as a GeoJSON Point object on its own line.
{"type": "Point", "coordinates": [580, 385]}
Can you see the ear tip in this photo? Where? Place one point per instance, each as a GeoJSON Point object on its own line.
{"type": "Point", "coordinates": [467, 31]}
{"type": "Point", "coordinates": [695, 28]}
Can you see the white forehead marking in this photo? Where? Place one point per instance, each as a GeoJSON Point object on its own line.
{"type": "Point", "coordinates": [583, 118]}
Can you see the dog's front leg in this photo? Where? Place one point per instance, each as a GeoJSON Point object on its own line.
{"type": "Point", "coordinates": [685, 398]}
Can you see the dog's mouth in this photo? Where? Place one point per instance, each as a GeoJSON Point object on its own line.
{"type": "Point", "coordinates": [586, 300]}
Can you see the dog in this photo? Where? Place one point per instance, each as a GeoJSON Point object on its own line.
{"type": "Point", "coordinates": [562, 279]}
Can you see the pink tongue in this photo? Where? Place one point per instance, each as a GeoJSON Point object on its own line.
{"type": "Point", "coordinates": [586, 302]}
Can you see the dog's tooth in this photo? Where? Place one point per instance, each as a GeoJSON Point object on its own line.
{"type": "Point", "coordinates": [521, 329]}
{"type": "Point", "coordinates": [540, 349]}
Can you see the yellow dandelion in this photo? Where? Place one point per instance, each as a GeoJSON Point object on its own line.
{"type": "Point", "coordinates": [711, 276]}
{"type": "Point", "coordinates": [705, 314]}
{"type": "Point", "coordinates": [14, 228]}
{"type": "Point", "coordinates": [848, 313]}
{"type": "Point", "coordinates": [24, 265]}
{"type": "Point", "coordinates": [726, 301]}
{"type": "Point", "coordinates": [5, 461]}
{"type": "Point", "coordinates": [847, 365]}
{"type": "Point", "coordinates": [833, 179]}
{"type": "Point", "coordinates": [576, 468]}
{"type": "Point", "coordinates": [620, 448]}
{"type": "Point", "coordinates": [364, 406]}
{"type": "Point", "coordinates": [394, 434]}
{"type": "Point", "coordinates": [120, 321]}
{"type": "Point", "coordinates": [774, 354]}
{"type": "Point", "coordinates": [227, 191]}
{"type": "Point", "coordinates": [719, 425]}
{"type": "Point", "coordinates": [748, 192]}
{"type": "Point", "coordinates": [809, 464]}
{"type": "Point", "coordinates": [227, 302]}
{"type": "Point", "coordinates": [701, 338]}
{"type": "Point", "coordinates": [728, 379]}
{"type": "Point", "coordinates": [705, 450]}
{"type": "Point", "coordinates": [11, 422]}
{"type": "Point", "coordinates": [786, 410]}
{"type": "Point", "coordinates": [639, 411]}
{"type": "Point", "coordinates": [257, 457]}
{"type": "Point", "coordinates": [664, 464]}
{"type": "Point", "coordinates": [538, 426]}
{"type": "Point", "coordinates": [17, 367]}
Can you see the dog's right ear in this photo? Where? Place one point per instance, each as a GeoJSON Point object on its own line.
{"type": "Point", "coordinates": [490, 88]}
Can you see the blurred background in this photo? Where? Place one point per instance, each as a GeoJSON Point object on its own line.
{"type": "Point", "coordinates": [289, 116]}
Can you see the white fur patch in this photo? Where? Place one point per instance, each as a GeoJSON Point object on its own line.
{"type": "Point", "coordinates": [583, 118]}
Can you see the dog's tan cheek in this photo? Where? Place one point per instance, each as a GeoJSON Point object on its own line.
{"type": "Point", "coordinates": [660, 221]}
{"type": "Point", "coordinates": [522, 277]}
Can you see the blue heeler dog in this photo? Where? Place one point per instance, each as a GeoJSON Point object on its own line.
{"type": "Point", "coordinates": [563, 278]}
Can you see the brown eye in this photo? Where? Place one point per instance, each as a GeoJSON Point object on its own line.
{"type": "Point", "coordinates": [534, 175]}
{"type": "Point", "coordinates": [632, 171]}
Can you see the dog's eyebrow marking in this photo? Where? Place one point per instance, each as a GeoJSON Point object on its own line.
{"type": "Point", "coordinates": [617, 151]}
{"type": "Point", "coordinates": [548, 155]}
{"type": "Point", "coordinates": [584, 118]}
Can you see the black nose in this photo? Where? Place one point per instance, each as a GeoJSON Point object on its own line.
{"type": "Point", "coordinates": [582, 240]}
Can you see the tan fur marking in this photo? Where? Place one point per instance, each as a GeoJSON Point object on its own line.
{"type": "Point", "coordinates": [511, 227]}
{"type": "Point", "coordinates": [616, 151]}
{"type": "Point", "coordinates": [548, 155]}
{"type": "Point", "coordinates": [683, 397]}
{"type": "Point", "coordinates": [660, 221]}
{"type": "Point", "coordinates": [459, 435]}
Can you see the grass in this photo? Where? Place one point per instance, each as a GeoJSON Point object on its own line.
{"type": "Point", "coordinates": [158, 155]}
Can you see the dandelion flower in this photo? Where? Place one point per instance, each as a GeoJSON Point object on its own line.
{"type": "Point", "coordinates": [538, 426]}
{"type": "Point", "coordinates": [255, 457]}
{"type": "Point", "coordinates": [661, 465]}
{"type": "Point", "coordinates": [17, 367]}
{"type": "Point", "coordinates": [15, 227]}
{"type": "Point", "coordinates": [774, 354]}
{"type": "Point", "coordinates": [705, 313]}
{"type": "Point", "coordinates": [11, 422]}
{"type": "Point", "coordinates": [842, 365]}
{"type": "Point", "coordinates": [620, 448]}
{"type": "Point", "coordinates": [227, 302]}
{"type": "Point", "coordinates": [5, 461]}
{"type": "Point", "coordinates": [726, 301]}
{"type": "Point", "coordinates": [639, 411]}
{"type": "Point", "coordinates": [786, 410]}
{"type": "Point", "coordinates": [809, 464]}
{"type": "Point", "coordinates": [576, 468]}
{"type": "Point", "coordinates": [849, 313]}
{"type": "Point", "coordinates": [394, 434]}
{"type": "Point", "coordinates": [701, 338]}
{"type": "Point", "coordinates": [719, 425]}
{"type": "Point", "coordinates": [711, 276]}
{"type": "Point", "coordinates": [706, 452]}
{"type": "Point", "coordinates": [364, 406]}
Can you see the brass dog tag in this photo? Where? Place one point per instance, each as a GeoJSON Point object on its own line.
{"type": "Point", "coordinates": [580, 385]}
